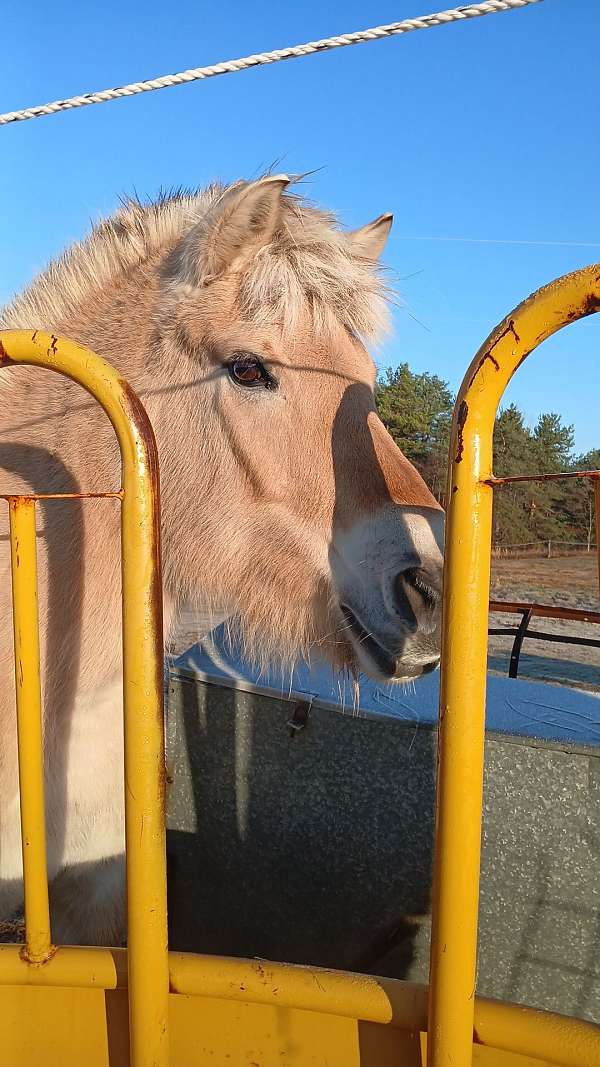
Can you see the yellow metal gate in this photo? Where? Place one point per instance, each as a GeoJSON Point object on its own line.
{"type": "Point", "coordinates": [146, 1007]}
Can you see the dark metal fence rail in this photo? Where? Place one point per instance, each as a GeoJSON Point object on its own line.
{"type": "Point", "coordinates": [521, 631]}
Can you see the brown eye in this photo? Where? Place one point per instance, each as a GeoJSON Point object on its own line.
{"type": "Point", "coordinates": [250, 372]}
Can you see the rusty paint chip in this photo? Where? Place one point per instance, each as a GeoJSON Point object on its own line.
{"type": "Point", "coordinates": [591, 304]}
{"type": "Point", "coordinates": [463, 412]}
{"type": "Point", "coordinates": [486, 356]}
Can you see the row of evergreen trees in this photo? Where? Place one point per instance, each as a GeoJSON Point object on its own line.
{"type": "Point", "coordinates": [417, 410]}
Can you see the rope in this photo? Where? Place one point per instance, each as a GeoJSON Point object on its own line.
{"type": "Point", "coordinates": [422, 22]}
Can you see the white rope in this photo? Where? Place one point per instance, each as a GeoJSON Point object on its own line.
{"type": "Point", "coordinates": [422, 22]}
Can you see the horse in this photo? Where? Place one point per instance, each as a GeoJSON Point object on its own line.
{"type": "Point", "coordinates": [241, 315]}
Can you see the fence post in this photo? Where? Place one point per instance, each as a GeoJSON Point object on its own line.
{"type": "Point", "coordinates": [597, 503]}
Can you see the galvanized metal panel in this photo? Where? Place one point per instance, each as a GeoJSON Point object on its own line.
{"type": "Point", "coordinates": [314, 846]}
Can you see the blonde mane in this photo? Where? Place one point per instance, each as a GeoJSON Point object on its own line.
{"type": "Point", "coordinates": [309, 263]}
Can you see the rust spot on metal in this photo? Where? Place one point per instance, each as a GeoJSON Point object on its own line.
{"type": "Point", "coordinates": [524, 355]}
{"type": "Point", "coordinates": [487, 355]}
{"type": "Point", "coordinates": [24, 956]}
{"type": "Point", "coordinates": [34, 335]}
{"type": "Point", "coordinates": [591, 304]}
{"type": "Point", "coordinates": [53, 344]}
{"type": "Point", "coordinates": [20, 672]}
{"type": "Point", "coordinates": [162, 783]}
{"type": "Point", "coordinates": [4, 356]}
{"type": "Point", "coordinates": [455, 489]}
{"type": "Point", "coordinates": [509, 328]}
{"type": "Point", "coordinates": [463, 412]}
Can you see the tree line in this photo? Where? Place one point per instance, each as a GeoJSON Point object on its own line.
{"type": "Point", "coordinates": [417, 411]}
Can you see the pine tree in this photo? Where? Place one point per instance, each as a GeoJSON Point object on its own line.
{"type": "Point", "coordinates": [580, 502]}
{"type": "Point", "coordinates": [514, 503]}
{"type": "Point", "coordinates": [417, 411]}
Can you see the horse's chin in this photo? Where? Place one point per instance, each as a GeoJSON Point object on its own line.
{"type": "Point", "coordinates": [400, 675]}
{"type": "Point", "coordinates": [368, 656]}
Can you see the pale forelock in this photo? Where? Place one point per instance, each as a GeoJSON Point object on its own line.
{"type": "Point", "coordinates": [310, 265]}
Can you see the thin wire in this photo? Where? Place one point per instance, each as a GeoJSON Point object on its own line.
{"type": "Point", "coordinates": [497, 241]}
{"type": "Point", "coordinates": [231, 66]}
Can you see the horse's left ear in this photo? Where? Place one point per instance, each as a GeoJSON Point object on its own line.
{"type": "Point", "coordinates": [371, 239]}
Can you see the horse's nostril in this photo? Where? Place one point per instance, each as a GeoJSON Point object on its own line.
{"type": "Point", "coordinates": [427, 668]}
{"type": "Point", "coordinates": [427, 583]}
{"type": "Point", "coordinates": [419, 593]}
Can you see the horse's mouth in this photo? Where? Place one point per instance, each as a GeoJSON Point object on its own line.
{"type": "Point", "coordinates": [374, 658]}
{"type": "Point", "coordinates": [368, 648]}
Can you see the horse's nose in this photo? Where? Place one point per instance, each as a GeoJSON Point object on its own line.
{"type": "Point", "coordinates": [418, 597]}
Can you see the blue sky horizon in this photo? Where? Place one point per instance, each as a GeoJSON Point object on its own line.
{"type": "Point", "coordinates": [480, 137]}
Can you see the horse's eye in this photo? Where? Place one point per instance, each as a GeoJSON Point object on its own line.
{"type": "Point", "coordinates": [249, 371]}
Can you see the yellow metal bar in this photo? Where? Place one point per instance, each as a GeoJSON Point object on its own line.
{"type": "Point", "coordinates": [68, 967]}
{"type": "Point", "coordinates": [402, 1005]}
{"type": "Point", "coordinates": [142, 680]}
{"type": "Point", "coordinates": [29, 726]}
{"type": "Point", "coordinates": [464, 657]}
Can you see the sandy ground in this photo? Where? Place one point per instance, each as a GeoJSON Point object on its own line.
{"type": "Point", "coordinates": [568, 582]}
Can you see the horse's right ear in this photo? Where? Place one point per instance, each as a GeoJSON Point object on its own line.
{"type": "Point", "coordinates": [238, 224]}
{"type": "Point", "coordinates": [371, 239]}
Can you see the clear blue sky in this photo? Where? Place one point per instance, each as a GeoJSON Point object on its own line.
{"type": "Point", "coordinates": [478, 133]}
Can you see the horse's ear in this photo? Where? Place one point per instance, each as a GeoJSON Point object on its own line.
{"type": "Point", "coordinates": [243, 220]}
{"type": "Point", "coordinates": [371, 239]}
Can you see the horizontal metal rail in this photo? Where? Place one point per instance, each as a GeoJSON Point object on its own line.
{"type": "Point", "coordinates": [116, 494]}
{"type": "Point", "coordinates": [541, 477]}
{"type": "Point", "coordinates": [547, 611]}
{"type": "Point", "coordinates": [494, 482]}
{"type": "Point", "coordinates": [401, 1005]}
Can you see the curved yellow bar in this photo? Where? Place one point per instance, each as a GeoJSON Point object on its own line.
{"type": "Point", "coordinates": [142, 679]}
{"type": "Point", "coordinates": [464, 656]}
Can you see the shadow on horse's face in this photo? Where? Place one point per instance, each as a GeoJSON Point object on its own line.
{"type": "Point", "coordinates": [309, 525]}
{"type": "Point", "coordinates": [291, 507]}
